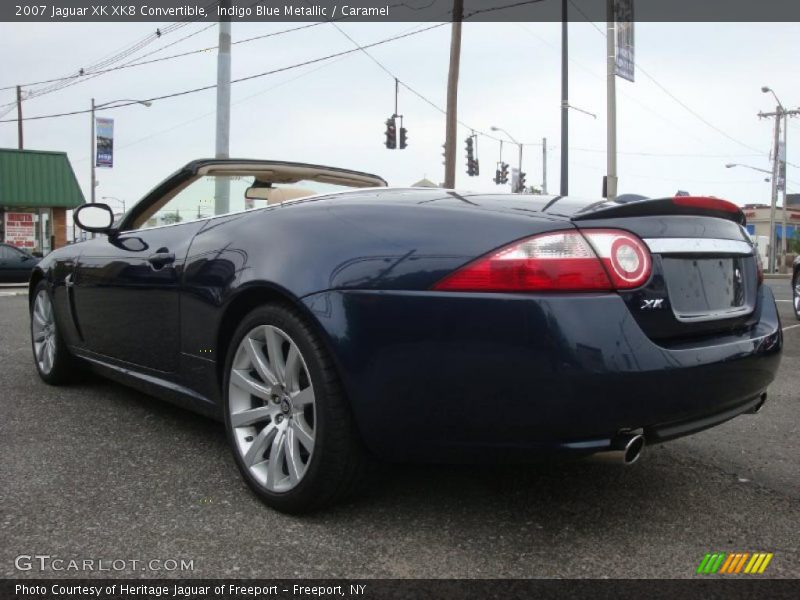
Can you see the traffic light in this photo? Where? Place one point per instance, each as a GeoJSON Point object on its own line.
{"type": "Point", "coordinates": [498, 177]}
{"type": "Point", "coordinates": [503, 172]}
{"type": "Point", "coordinates": [403, 138]}
{"type": "Point", "coordinates": [391, 133]}
{"type": "Point", "coordinates": [521, 182]}
{"type": "Point", "coordinates": [470, 148]}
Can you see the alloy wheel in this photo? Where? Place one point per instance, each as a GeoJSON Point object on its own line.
{"type": "Point", "coordinates": [43, 326]}
{"type": "Point", "coordinates": [796, 295]}
{"type": "Point", "coordinates": [272, 408]}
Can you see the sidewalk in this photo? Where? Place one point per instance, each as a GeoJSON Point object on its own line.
{"type": "Point", "coordinates": [13, 289]}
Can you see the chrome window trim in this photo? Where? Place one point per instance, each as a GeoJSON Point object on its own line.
{"type": "Point", "coordinates": [698, 246]}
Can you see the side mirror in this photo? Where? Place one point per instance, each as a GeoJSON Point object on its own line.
{"type": "Point", "coordinates": [95, 217]}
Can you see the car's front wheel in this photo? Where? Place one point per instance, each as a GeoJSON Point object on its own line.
{"type": "Point", "coordinates": [796, 294]}
{"type": "Point", "coordinates": [50, 353]}
{"type": "Point", "coordinates": [286, 415]}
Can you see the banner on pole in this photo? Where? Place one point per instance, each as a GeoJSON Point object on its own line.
{"type": "Point", "coordinates": [104, 142]}
{"type": "Point", "coordinates": [780, 182]}
{"type": "Point", "coordinates": [624, 50]}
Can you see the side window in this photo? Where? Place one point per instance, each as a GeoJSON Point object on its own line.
{"type": "Point", "coordinates": [5, 252]}
{"type": "Point", "coordinates": [205, 197]}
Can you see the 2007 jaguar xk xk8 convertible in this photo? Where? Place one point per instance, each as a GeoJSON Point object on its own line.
{"type": "Point", "coordinates": [325, 318]}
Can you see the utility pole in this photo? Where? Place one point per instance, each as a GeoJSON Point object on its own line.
{"type": "Point", "coordinates": [780, 114]}
{"type": "Point", "coordinates": [544, 165]}
{"type": "Point", "coordinates": [451, 130]}
{"type": "Point", "coordinates": [564, 98]}
{"type": "Point", "coordinates": [222, 184]}
{"type": "Point", "coordinates": [611, 104]}
{"type": "Point", "coordinates": [782, 171]}
{"type": "Point", "coordinates": [20, 145]}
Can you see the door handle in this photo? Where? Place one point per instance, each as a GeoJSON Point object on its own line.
{"type": "Point", "coordinates": [159, 259]}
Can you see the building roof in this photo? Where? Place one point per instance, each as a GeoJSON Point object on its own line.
{"type": "Point", "coordinates": [38, 179]}
{"type": "Point", "coordinates": [424, 182]}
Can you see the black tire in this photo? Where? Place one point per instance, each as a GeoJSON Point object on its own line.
{"type": "Point", "coordinates": [337, 464]}
{"type": "Point", "coordinates": [796, 294]}
{"type": "Point", "coordinates": [62, 365]}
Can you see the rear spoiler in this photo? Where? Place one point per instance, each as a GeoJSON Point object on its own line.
{"type": "Point", "coordinates": [704, 206]}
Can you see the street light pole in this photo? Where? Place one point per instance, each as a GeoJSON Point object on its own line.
{"type": "Point", "coordinates": [120, 200]}
{"type": "Point", "coordinates": [564, 99]}
{"type": "Point", "coordinates": [544, 165]}
{"type": "Point", "coordinates": [93, 158]}
{"type": "Point", "coordinates": [774, 194]}
{"type": "Point", "coordinates": [223, 133]}
{"type": "Point", "coordinates": [19, 118]}
{"type": "Point", "coordinates": [611, 105]}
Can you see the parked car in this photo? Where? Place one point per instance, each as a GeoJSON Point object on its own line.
{"type": "Point", "coordinates": [15, 264]}
{"type": "Point", "coordinates": [796, 286]}
{"type": "Point", "coordinates": [410, 324]}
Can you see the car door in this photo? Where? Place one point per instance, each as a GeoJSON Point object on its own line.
{"type": "Point", "coordinates": [15, 265]}
{"type": "Point", "coordinates": [126, 294]}
{"type": "Point", "coordinates": [5, 263]}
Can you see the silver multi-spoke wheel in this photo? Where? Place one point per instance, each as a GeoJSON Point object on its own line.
{"type": "Point", "coordinates": [271, 408]}
{"type": "Point", "coordinates": [797, 296]}
{"type": "Point", "coordinates": [43, 329]}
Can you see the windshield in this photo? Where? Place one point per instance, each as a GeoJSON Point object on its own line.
{"type": "Point", "coordinates": [214, 194]}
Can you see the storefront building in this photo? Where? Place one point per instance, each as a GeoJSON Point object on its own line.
{"type": "Point", "coordinates": [37, 188]}
{"type": "Point", "coordinates": [758, 221]}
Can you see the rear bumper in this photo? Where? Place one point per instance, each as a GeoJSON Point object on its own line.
{"type": "Point", "coordinates": [438, 376]}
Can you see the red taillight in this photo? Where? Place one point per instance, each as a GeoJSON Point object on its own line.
{"type": "Point", "coordinates": [569, 261]}
{"type": "Point", "coordinates": [706, 203]}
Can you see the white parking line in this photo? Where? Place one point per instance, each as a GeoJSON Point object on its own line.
{"type": "Point", "coordinates": [783, 300]}
{"type": "Point", "coordinates": [791, 327]}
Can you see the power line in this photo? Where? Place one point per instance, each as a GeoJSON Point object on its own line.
{"type": "Point", "coordinates": [240, 101]}
{"type": "Point", "coordinates": [138, 62]}
{"type": "Point", "coordinates": [239, 80]}
{"type": "Point", "coordinates": [667, 92]}
{"type": "Point", "coordinates": [82, 78]}
{"type": "Point", "coordinates": [62, 82]}
{"type": "Point", "coordinates": [312, 61]}
{"type": "Point", "coordinates": [87, 73]}
{"type": "Point", "coordinates": [420, 95]}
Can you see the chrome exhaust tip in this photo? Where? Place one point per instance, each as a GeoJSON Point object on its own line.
{"type": "Point", "coordinates": [757, 408]}
{"type": "Point", "coordinates": [625, 449]}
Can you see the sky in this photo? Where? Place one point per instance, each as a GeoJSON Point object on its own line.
{"type": "Point", "coordinates": [677, 128]}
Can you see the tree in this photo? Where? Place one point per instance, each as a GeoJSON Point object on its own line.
{"type": "Point", "coordinates": [171, 218]}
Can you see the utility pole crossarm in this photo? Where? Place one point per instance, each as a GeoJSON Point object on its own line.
{"type": "Point", "coordinates": [780, 113]}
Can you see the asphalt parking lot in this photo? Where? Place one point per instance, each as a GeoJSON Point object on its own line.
{"type": "Point", "coordinates": [96, 470]}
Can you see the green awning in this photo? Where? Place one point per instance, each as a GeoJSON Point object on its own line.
{"type": "Point", "coordinates": [34, 179]}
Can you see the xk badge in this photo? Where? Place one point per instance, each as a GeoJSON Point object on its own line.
{"type": "Point", "coordinates": [653, 304]}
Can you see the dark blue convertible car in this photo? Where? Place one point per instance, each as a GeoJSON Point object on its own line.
{"type": "Point", "coordinates": [326, 318]}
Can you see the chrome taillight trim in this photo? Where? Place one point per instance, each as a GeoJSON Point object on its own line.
{"type": "Point", "coordinates": [699, 246]}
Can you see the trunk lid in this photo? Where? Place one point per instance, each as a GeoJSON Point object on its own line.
{"type": "Point", "coordinates": [705, 274]}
